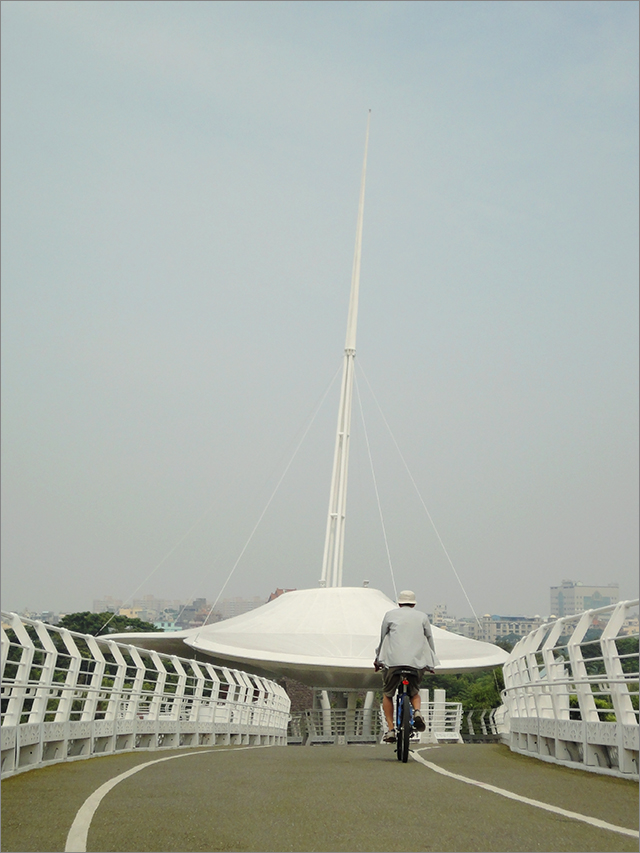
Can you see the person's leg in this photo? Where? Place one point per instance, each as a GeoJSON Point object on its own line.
{"type": "Point", "coordinates": [389, 684]}
{"type": "Point", "coordinates": [387, 707]}
{"type": "Point", "coordinates": [418, 719]}
{"type": "Point", "coordinates": [415, 682]}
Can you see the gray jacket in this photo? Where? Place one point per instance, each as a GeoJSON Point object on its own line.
{"type": "Point", "coordinates": [406, 639]}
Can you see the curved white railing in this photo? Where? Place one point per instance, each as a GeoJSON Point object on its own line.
{"type": "Point", "coordinates": [571, 691]}
{"type": "Point", "coordinates": [362, 725]}
{"type": "Point", "coordinates": [67, 695]}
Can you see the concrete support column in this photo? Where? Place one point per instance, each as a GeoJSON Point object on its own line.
{"type": "Point", "coordinates": [325, 704]}
{"type": "Point", "coordinates": [350, 724]}
{"type": "Point", "coordinates": [367, 710]}
{"type": "Point", "coordinates": [439, 698]}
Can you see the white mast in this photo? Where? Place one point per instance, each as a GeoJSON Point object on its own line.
{"type": "Point", "coordinates": [334, 540]}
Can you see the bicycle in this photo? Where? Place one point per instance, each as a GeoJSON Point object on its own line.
{"type": "Point", "coordinates": [404, 716]}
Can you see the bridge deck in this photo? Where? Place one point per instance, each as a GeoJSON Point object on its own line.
{"type": "Point", "coordinates": [352, 798]}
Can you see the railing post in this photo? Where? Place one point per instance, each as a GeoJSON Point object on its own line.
{"type": "Point", "coordinates": [13, 715]}
{"type": "Point", "coordinates": [39, 708]}
{"type": "Point", "coordinates": [155, 705]}
{"type": "Point", "coordinates": [64, 710]}
{"type": "Point", "coordinates": [115, 698]}
{"type": "Point", "coordinates": [135, 693]}
{"type": "Point", "coordinates": [621, 700]}
{"type": "Point", "coordinates": [93, 688]}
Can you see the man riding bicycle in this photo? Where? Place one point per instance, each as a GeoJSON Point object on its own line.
{"type": "Point", "coordinates": [405, 641]}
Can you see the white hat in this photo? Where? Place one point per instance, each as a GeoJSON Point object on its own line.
{"type": "Point", "coordinates": [407, 597]}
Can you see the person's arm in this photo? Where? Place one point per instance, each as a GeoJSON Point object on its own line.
{"type": "Point", "coordinates": [384, 630]}
{"type": "Point", "coordinates": [428, 634]}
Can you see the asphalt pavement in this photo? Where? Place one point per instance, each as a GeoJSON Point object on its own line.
{"type": "Point", "coordinates": [320, 798]}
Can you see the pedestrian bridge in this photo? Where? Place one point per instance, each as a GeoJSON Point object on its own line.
{"type": "Point", "coordinates": [320, 798]}
{"type": "Point", "coordinates": [188, 756]}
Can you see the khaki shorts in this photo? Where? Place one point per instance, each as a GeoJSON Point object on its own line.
{"type": "Point", "coordinates": [391, 679]}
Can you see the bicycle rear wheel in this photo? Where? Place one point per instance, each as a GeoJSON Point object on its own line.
{"type": "Point", "coordinates": [399, 733]}
{"type": "Point", "coordinates": [404, 729]}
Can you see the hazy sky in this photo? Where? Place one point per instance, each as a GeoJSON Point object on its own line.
{"type": "Point", "coordinates": [179, 194]}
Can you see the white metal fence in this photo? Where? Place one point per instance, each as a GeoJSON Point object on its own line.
{"type": "Point", "coordinates": [68, 695]}
{"type": "Point", "coordinates": [366, 725]}
{"type": "Point", "coordinates": [443, 719]}
{"type": "Point", "coordinates": [337, 725]}
{"type": "Point", "coordinates": [481, 725]}
{"type": "Point", "coordinates": [571, 691]}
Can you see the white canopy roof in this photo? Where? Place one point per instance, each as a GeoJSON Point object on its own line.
{"type": "Point", "coordinates": [325, 638]}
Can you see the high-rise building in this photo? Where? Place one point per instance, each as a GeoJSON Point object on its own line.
{"type": "Point", "coordinates": [439, 617]}
{"type": "Point", "coordinates": [573, 597]}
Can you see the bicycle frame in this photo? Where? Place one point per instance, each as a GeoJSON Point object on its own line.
{"type": "Point", "coordinates": [403, 717]}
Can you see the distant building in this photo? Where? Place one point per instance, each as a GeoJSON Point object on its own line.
{"type": "Point", "coordinates": [278, 593]}
{"type": "Point", "coordinates": [152, 609]}
{"type": "Point", "coordinates": [42, 616]}
{"type": "Point", "coordinates": [573, 597]}
{"type": "Point", "coordinates": [440, 618]}
{"type": "Point", "coordinates": [230, 607]}
{"type": "Point", "coordinates": [155, 607]}
{"type": "Point", "coordinates": [106, 604]}
{"type": "Point", "coordinates": [630, 626]}
{"type": "Point", "coordinates": [492, 627]}
{"type": "Point", "coordinates": [167, 626]}
{"type": "Point", "coordinates": [132, 613]}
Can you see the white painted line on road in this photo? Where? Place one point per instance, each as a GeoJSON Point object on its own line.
{"type": "Point", "coordinates": [77, 837]}
{"type": "Point", "coordinates": [593, 821]}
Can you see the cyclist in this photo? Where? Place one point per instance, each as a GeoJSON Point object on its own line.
{"type": "Point", "coordinates": [405, 641]}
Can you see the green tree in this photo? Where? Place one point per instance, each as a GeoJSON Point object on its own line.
{"type": "Point", "coordinates": [628, 646]}
{"type": "Point", "coordinates": [484, 691]}
{"type": "Point", "coordinates": [479, 689]}
{"type": "Point", "coordinates": [85, 622]}
{"type": "Point", "coordinates": [454, 684]}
